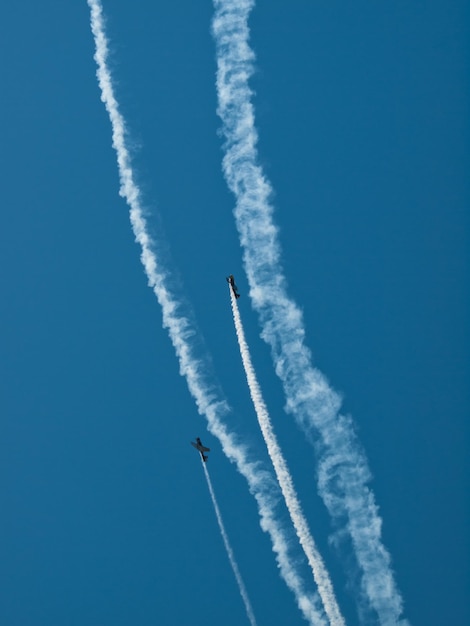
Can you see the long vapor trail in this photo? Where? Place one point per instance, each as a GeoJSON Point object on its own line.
{"type": "Point", "coordinates": [320, 574]}
{"type": "Point", "coordinates": [343, 473]}
{"type": "Point", "coordinates": [228, 548]}
{"type": "Point", "coordinates": [181, 331]}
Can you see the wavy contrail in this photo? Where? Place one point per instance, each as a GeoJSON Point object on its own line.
{"type": "Point", "coordinates": [230, 554]}
{"type": "Point", "coordinates": [181, 331]}
{"type": "Point", "coordinates": [343, 473]}
{"type": "Point", "coordinates": [320, 574]}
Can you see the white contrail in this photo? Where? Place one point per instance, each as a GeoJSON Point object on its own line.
{"type": "Point", "coordinates": [343, 471]}
{"type": "Point", "coordinates": [228, 548]}
{"type": "Point", "coordinates": [320, 574]}
{"type": "Point", "coordinates": [181, 331]}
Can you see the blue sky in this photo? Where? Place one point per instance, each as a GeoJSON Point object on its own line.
{"type": "Point", "coordinates": [363, 132]}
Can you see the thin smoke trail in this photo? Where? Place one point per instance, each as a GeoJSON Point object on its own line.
{"type": "Point", "coordinates": [343, 473]}
{"type": "Point", "coordinates": [320, 574]}
{"type": "Point", "coordinates": [228, 548]}
{"type": "Point", "coordinates": [181, 331]}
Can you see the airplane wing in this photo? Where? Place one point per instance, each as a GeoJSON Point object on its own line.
{"type": "Point", "coordinates": [204, 449]}
{"type": "Point", "coordinates": [195, 445]}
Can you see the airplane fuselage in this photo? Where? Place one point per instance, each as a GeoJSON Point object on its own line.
{"type": "Point", "coordinates": [231, 280]}
{"type": "Point", "coordinates": [201, 449]}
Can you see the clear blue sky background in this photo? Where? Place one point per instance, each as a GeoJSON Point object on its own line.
{"type": "Point", "coordinates": [363, 118]}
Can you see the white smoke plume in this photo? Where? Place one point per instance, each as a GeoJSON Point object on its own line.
{"type": "Point", "coordinates": [230, 554]}
{"type": "Point", "coordinates": [320, 574]}
{"type": "Point", "coordinates": [207, 398]}
{"type": "Point", "coordinates": [343, 473]}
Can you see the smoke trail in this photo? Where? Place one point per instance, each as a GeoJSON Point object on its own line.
{"type": "Point", "coordinates": [320, 574]}
{"type": "Point", "coordinates": [181, 331]}
{"type": "Point", "coordinates": [228, 548]}
{"type": "Point", "coordinates": [343, 472]}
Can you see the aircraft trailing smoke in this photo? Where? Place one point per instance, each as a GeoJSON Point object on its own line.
{"type": "Point", "coordinates": [319, 571]}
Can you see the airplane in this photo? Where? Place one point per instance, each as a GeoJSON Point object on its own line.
{"type": "Point", "coordinates": [230, 279]}
{"type": "Point", "coordinates": [198, 445]}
